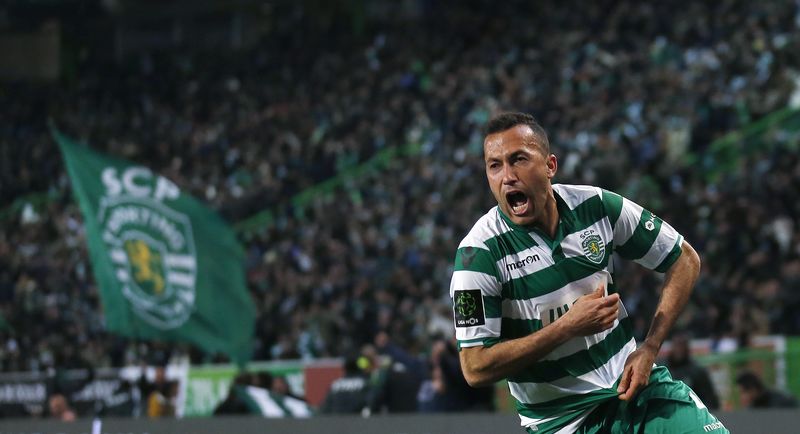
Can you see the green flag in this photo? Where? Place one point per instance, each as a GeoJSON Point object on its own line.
{"type": "Point", "coordinates": [167, 267]}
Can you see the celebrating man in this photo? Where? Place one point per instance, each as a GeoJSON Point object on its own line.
{"type": "Point", "coordinates": [535, 300]}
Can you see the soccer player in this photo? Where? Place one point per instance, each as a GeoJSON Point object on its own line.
{"type": "Point", "coordinates": [535, 300]}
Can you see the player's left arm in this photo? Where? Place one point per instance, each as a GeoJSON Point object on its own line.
{"type": "Point", "coordinates": [678, 283]}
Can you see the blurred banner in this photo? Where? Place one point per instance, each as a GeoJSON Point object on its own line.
{"type": "Point", "coordinates": [107, 392]}
{"type": "Point", "coordinates": [168, 268]}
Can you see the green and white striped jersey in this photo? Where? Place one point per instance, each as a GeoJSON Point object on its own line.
{"type": "Point", "coordinates": [510, 281]}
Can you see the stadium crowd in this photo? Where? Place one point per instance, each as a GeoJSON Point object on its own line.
{"type": "Point", "coordinates": [627, 90]}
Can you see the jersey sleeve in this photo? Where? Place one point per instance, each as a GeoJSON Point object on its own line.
{"type": "Point", "coordinates": [475, 292]}
{"type": "Point", "coordinates": [640, 236]}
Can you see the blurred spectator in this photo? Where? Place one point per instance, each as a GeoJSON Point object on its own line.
{"type": "Point", "coordinates": [249, 395]}
{"type": "Point", "coordinates": [233, 402]}
{"type": "Point", "coordinates": [683, 367]}
{"type": "Point", "coordinates": [401, 375]}
{"type": "Point", "coordinates": [295, 406]}
{"type": "Point", "coordinates": [753, 393]}
{"type": "Point", "coordinates": [349, 394]}
{"type": "Point", "coordinates": [448, 391]}
{"type": "Point", "coordinates": [60, 408]}
{"type": "Point", "coordinates": [125, 401]}
{"type": "Point", "coordinates": [160, 395]}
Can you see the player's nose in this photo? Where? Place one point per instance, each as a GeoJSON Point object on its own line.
{"type": "Point", "coordinates": [509, 175]}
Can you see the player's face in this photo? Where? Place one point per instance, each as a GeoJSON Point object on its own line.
{"type": "Point", "coordinates": [519, 174]}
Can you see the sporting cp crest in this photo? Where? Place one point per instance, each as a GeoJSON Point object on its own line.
{"type": "Point", "coordinates": [593, 248]}
{"type": "Point", "coordinates": [153, 254]}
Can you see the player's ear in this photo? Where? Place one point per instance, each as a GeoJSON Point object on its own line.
{"type": "Point", "coordinates": [552, 166]}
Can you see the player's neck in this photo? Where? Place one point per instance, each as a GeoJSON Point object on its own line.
{"type": "Point", "coordinates": [549, 222]}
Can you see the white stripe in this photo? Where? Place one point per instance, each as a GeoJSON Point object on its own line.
{"type": "Point", "coordinates": [463, 279]}
{"type": "Point", "coordinates": [574, 345]}
{"type": "Point", "coordinates": [519, 309]}
{"type": "Point", "coordinates": [533, 308]}
{"type": "Point", "coordinates": [696, 400]}
{"type": "Point", "coordinates": [523, 263]}
{"type": "Point", "coordinates": [490, 330]}
{"type": "Point", "coordinates": [297, 407]}
{"type": "Point", "coordinates": [544, 392]}
{"type": "Point", "coordinates": [573, 426]}
{"type": "Point", "coordinates": [180, 261]}
{"type": "Point", "coordinates": [575, 195]}
{"type": "Point", "coordinates": [122, 275]}
{"type": "Point", "coordinates": [527, 421]}
{"type": "Point", "coordinates": [542, 242]}
{"type": "Point", "coordinates": [661, 247]}
{"type": "Point", "coordinates": [572, 244]}
{"type": "Point", "coordinates": [183, 279]}
{"type": "Point", "coordinates": [488, 226]}
{"type": "Point", "coordinates": [627, 222]}
{"type": "Point", "coordinates": [470, 344]}
{"type": "Point", "coordinates": [187, 297]}
{"type": "Point", "coordinates": [268, 407]}
{"type": "Point", "coordinates": [601, 378]}
{"type": "Point", "coordinates": [118, 256]}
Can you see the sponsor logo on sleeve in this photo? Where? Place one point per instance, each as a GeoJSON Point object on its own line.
{"type": "Point", "coordinates": [468, 308]}
{"type": "Point", "coordinates": [650, 224]}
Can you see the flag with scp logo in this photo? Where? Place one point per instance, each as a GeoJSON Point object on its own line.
{"type": "Point", "coordinates": [167, 266]}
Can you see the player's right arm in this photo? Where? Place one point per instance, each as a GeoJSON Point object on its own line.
{"type": "Point", "coordinates": [591, 314]}
{"type": "Point", "coordinates": [476, 292]}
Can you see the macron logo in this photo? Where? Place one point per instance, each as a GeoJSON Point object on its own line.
{"type": "Point", "coordinates": [519, 264]}
{"type": "Point", "coordinates": [713, 426]}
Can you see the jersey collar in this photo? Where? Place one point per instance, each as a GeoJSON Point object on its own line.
{"type": "Point", "coordinates": [564, 218]}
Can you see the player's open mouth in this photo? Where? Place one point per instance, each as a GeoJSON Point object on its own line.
{"type": "Point", "coordinates": [518, 202]}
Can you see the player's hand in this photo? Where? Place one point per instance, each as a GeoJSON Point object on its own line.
{"type": "Point", "coordinates": [592, 313]}
{"type": "Point", "coordinates": [636, 374]}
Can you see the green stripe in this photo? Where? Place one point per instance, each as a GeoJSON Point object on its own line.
{"type": "Point", "coordinates": [589, 212]}
{"type": "Point", "coordinates": [578, 363]}
{"type": "Point", "coordinates": [642, 239]}
{"type": "Point", "coordinates": [612, 202]}
{"type": "Point", "coordinates": [571, 403]}
{"type": "Point", "coordinates": [552, 278]}
{"type": "Point", "coordinates": [492, 306]}
{"type": "Point", "coordinates": [511, 242]}
{"type": "Point", "coordinates": [517, 328]}
{"type": "Point", "coordinates": [582, 402]}
{"type": "Point", "coordinates": [476, 259]}
{"type": "Point", "coordinates": [279, 401]}
{"type": "Point", "coordinates": [673, 256]}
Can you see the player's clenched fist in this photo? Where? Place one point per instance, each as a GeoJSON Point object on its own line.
{"type": "Point", "coordinates": [592, 313]}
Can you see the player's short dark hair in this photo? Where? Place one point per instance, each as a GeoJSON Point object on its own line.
{"type": "Point", "coordinates": [507, 120]}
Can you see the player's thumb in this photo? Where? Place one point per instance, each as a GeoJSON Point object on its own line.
{"type": "Point", "coordinates": [611, 300]}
